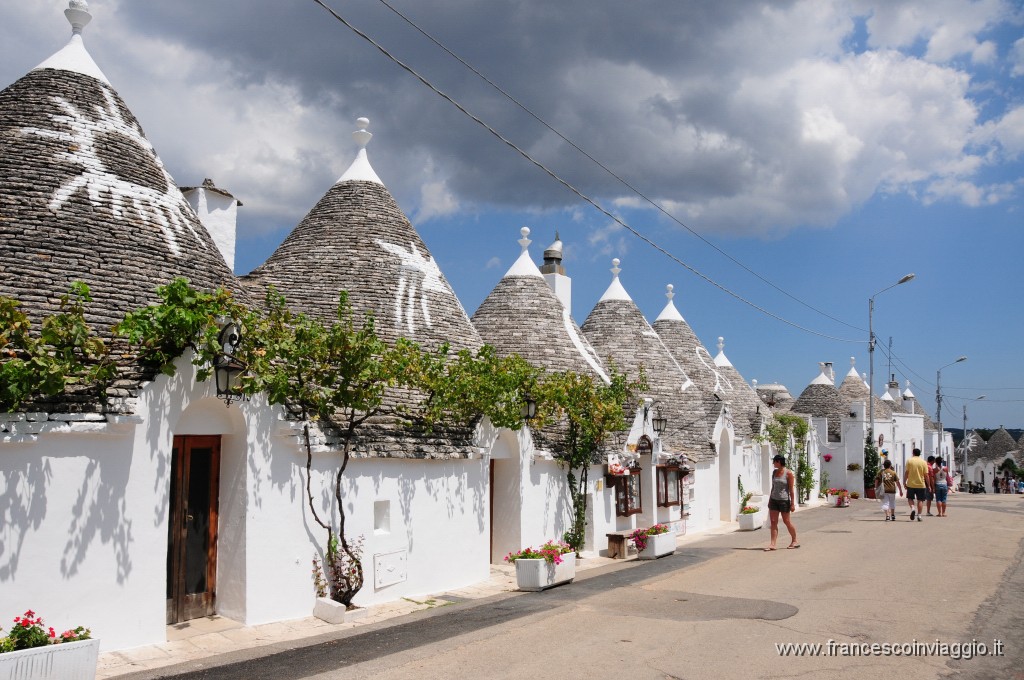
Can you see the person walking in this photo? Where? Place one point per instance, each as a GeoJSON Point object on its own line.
{"type": "Point", "coordinates": [917, 480]}
{"type": "Point", "coordinates": [931, 486]}
{"type": "Point", "coordinates": [890, 482]}
{"type": "Point", "coordinates": [941, 480]}
{"type": "Point", "coordinates": [781, 501]}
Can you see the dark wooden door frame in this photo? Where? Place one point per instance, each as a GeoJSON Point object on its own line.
{"type": "Point", "coordinates": [182, 606]}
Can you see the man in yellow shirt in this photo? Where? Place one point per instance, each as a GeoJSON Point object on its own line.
{"type": "Point", "coordinates": [918, 483]}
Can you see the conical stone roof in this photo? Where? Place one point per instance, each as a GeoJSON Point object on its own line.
{"type": "Point", "coordinates": [853, 389]}
{"type": "Point", "coordinates": [745, 402]}
{"type": "Point", "coordinates": [691, 355]}
{"type": "Point", "coordinates": [523, 316]}
{"type": "Point", "coordinates": [357, 239]}
{"type": "Point", "coordinates": [622, 337]}
{"type": "Point", "coordinates": [775, 395]}
{"type": "Point", "coordinates": [821, 399]}
{"type": "Point", "coordinates": [84, 197]}
{"type": "Point", "coordinates": [998, 445]}
{"type": "Point", "coordinates": [912, 405]}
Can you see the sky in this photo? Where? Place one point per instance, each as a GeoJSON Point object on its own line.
{"type": "Point", "coordinates": [792, 158]}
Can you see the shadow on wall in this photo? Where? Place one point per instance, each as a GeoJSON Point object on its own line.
{"type": "Point", "coordinates": [22, 507]}
{"type": "Point", "coordinates": [99, 511]}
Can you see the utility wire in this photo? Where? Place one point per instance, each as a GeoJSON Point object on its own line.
{"type": "Point", "coordinates": [608, 170]}
{"type": "Point", "coordinates": [568, 186]}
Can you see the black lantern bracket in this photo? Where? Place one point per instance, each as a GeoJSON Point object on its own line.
{"type": "Point", "coordinates": [227, 368]}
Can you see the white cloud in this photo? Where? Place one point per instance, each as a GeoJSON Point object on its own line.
{"type": "Point", "coordinates": [752, 118]}
{"type": "Point", "coordinates": [1007, 132]}
{"type": "Point", "coordinates": [436, 200]}
{"type": "Point", "coordinates": [493, 263]}
{"type": "Point", "coordinates": [1017, 58]}
{"type": "Point", "coordinates": [948, 28]}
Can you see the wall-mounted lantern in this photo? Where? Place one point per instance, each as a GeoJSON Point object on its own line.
{"type": "Point", "coordinates": [227, 369]}
{"type": "Point", "coordinates": [529, 409]}
{"type": "Point", "coordinates": [659, 422]}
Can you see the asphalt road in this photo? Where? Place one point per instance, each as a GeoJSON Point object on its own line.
{"type": "Point", "coordinates": [720, 608]}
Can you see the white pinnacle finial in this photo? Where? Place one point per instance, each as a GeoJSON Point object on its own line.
{"type": "Point", "coordinates": [754, 383]}
{"type": "Point", "coordinates": [615, 268]}
{"type": "Point", "coordinates": [361, 136]}
{"type": "Point", "coordinates": [853, 361]}
{"type": "Point", "coordinates": [721, 343]}
{"type": "Point", "coordinates": [668, 292]}
{"type": "Point", "coordinates": [78, 15]}
{"type": "Point", "coordinates": [525, 240]}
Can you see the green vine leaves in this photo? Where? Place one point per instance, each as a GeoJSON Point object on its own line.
{"type": "Point", "coordinates": [64, 355]}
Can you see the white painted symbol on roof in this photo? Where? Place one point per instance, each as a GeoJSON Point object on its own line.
{"type": "Point", "coordinates": [416, 275]}
{"type": "Point", "coordinates": [721, 382]}
{"type": "Point", "coordinates": [166, 207]}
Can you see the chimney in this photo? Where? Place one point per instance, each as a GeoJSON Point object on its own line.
{"type": "Point", "coordinates": [554, 273]}
{"type": "Point", "coordinates": [218, 212]}
{"type": "Point", "coordinates": [893, 388]}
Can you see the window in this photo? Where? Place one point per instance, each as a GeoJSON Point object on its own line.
{"type": "Point", "coordinates": [627, 493]}
{"type": "Point", "coordinates": [670, 486]}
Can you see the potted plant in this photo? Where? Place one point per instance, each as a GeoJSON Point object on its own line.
{"type": "Point", "coordinates": [750, 517]}
{"type": "Point", "coordinates": [32, 652]}
{"type": "Point", "coordinates": [854, 495]}
{"type": "Point", "coordinates": [653, 542]}
{"type": "Point", "coordinates": [853, 467]}
{"type": "Point", "coordinates": [550, 565]}
{"type": "Point", "coordinates": [841, 497]}
{"type": "Point", "coordinates": [330, 584]}
{"type": "Point", "coordinates": [827, 457]}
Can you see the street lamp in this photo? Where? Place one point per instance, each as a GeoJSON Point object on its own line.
{"type": "Point", "coordinates": [871, 356]}
{"type": "Point", "coordinates": [938, 398]}
{"type": "Point", "coordinates": [963, 442]}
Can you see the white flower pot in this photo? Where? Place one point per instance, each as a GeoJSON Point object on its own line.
{"type": "Point", "coordinates": [67, 661]}
{"type": "Point", "coordinates": [658, 546]}
{"type": "Point", "coordinates": [752, 521]}
{"type": "Point", "coordinates": [533, 575]}
{"type": "Point", "coordinates": [330, 611]}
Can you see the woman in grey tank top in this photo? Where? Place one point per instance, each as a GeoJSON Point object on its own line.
{"type": "Point", "coordinates": [781, 500]}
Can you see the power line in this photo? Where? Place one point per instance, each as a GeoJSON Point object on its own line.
{"type": "Point", "coordinates": [569, 186]}
{"type": "Point", "coordinates": [608, 170]}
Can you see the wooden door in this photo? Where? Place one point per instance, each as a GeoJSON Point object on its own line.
{"type": "Point", "coordinates": [192, 528]}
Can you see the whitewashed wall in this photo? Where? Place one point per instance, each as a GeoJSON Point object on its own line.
{"type": "Point", "coordinates": [84, 518]}
{"type": "Point", "coordinates": [704, 507]}
{"type": "Point", "coordinates": [84, 515]}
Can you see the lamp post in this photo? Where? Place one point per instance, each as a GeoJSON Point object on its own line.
{"type": "Point", "coordinates": [963, 443]}
{"type": "Point", "coordinates": [871, 356]}
{"type": "Point", "coordinates": [938, 399]}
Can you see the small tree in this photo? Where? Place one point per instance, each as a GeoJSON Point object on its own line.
{"type": "Point", "coordinates": [590, 411]}
{"type": "Point", "coordinates": [787, 433]}
{"type": "Point", "coordinates": [871, 461]}
{"type": "Point", "coordinates": [339, 374]}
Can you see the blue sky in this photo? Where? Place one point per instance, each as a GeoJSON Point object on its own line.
{"type": "Point", "coordinates": [830, 146]}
